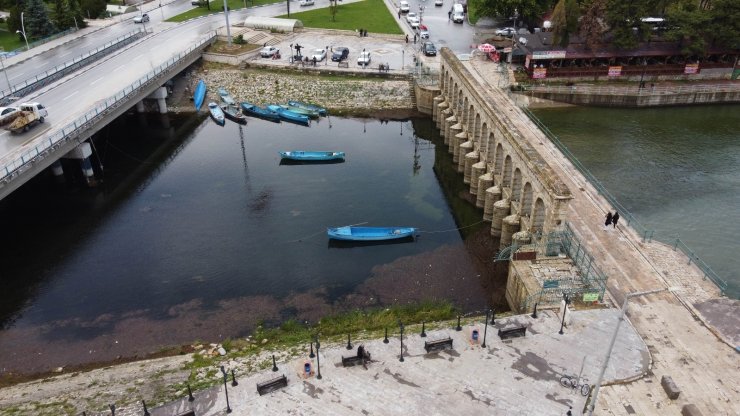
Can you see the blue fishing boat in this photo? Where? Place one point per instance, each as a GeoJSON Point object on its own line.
{"type": "Point", "coordinates": [311, 156]}
{"type": "Point", "coordinates": [312, 107]}
{"type": "Point", "coordinates": [199, 95]}
{"type": "Point", "coordinates": [216, 113]}
{"type": "Point", "coordinates": [225, 96]}
{"type": "Point", "coordinates": [232, 113]}
{"type": "Point", "coordinates": [302, 111]}
{"type": "Point", "coordinates": [288, 115]}
{"type": "Point", "coordinates": [257, 111]}
{"type": "Point", "coordinates": [351, 233]}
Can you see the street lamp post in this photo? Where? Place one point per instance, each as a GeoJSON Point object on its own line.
{"type": "Point", "coordinates": [228, 29]}
{"type": "Point", "coordinates": [326, 57]}
{"type": "Point", "coordinates": [485, 328]}
{"type": "Point", "coordinates": [565, 310]}
{"type": "Point", "coordinates": [226, 390]}
{"type": "Point", "coordinates": [400, 325]}
{"type": "Point", "coordinates": [23, 32]}
{"type": "Point", "coordinates": [318, 358]}
{"type": "Point", "coordinates": [611, 344]}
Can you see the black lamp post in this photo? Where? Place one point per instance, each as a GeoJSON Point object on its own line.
{"type": "Point", "coordinates": [190, 394]}
{"type": "Point", "coordinates": [493, 316]}
{"type": "Point", "coordinates": [146, 411]}
{"type": "Point", "coordinates": [233, 379]}
{"type": "Point", "coordinates": [318, 358]}
{"type": "Point", "coordinates": [458, 327]}
{"type": "Point", "coordinates": [112, 409]}
{"type": "Point", "coordinates": [534, 313]}
{"type": "Point", "coordinates": [326, 57]}
{"type": "Point", "coordinates": [423, 332]}
{"type": "Point", "coordinates": [274, 364]}
{"type": "Point", "coordinates": [485, 328]}
{"type": "Point", "coordinates": [349, 344]}
{"type": "Point", "coordinates": [400, 324]}
{"type": "Point", "coordinates": [565, 309]}
{"type": "Point", "coordinates": [226, 390]}
{"type": "Point", "coordinates": [385, 340]}
{"type": "Point", "coordinates": [312, 355]}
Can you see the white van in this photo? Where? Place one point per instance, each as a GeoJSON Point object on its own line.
{"type": "Point", "coordinates": [458, 13]}
{"type": "Point", "coordinates": [404, 6]}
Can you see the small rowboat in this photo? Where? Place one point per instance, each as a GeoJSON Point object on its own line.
{"type": "Point", "coordinates": [232, 113]}
{"type": "Point", "coordinates": [225, 96]}
{"type": "Point", "coordinates": [350, 233]}
{"type": "Point", "coordinates": [289, 115]}
{"type": "Point", "coordinates": [199, 95]}
{"type": "Point", "coordinates": [302, 111]}
{"type": "Point", "coordinates": [216, 113]}
{"type": "Point", "coordinates": [311, 107]}
{"type": "Point", "coordinates": [311, 156]}
{"type": "Point", "coordinates": [257, 111]}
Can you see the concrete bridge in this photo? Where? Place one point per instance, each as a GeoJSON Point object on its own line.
{"type": "Point", "coordinates": [519, 192]}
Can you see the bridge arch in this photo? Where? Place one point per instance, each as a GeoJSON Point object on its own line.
{"type": "Point", "coordinates": [538, 216]}
{"type": "Point", "coordinates": [527, 200]}
{"type": "Point", "coordinates": [506, 180]}
{"type": "Point", "coordinates": [516, 185]}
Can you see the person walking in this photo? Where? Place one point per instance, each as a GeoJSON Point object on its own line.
{"type": "Point", "coordinates": [414, 39]}
{"type": "Point", "coordinates": [407, 38]}
{"type": "Point", "coordinates": [615, 218]}
{"type": "Point", "coordinates": [608, 219]}
{"type": "Point", "coordinates": [449, 15]}
{"type": "Point", "coordinates": [399, 13]}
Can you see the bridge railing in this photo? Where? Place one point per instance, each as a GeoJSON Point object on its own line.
{"type": "Point", "coordinates": [59, 71]}
{"type": "Point", "coordinates": [624, 213]}
{"type": "Point", "coordinates": [629, 89]}
{"type": "Point", "coordinates": [14, 166]}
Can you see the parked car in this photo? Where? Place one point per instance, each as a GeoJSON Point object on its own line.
{"type": "Point", "coordinates": [143, 18]}
{"type": "Point", "coordinates": [8, 114]}
{"type": "Point", "coordinates": [340, 54]}
{"type": "Point", "coordinates": [423, 32]}
{"type": "Point", "coordinates": [195, 2]}
{"type": "Point", "coordinates": [268, 51]}
{"type": "Point", "coordinates": [404, 6]}
{"type": "Point", "coordinates": [305, 3]}
{"type": "Point", "coordinates": [410, 16]}
{"type": "Point", "coordinates": [506, 31]}
{"type": "Point", "coordinates": [429, 49]}
{"type": "Point", "coordinates": [364, 58]}
{"type": "Point", "coordinates": [438, 2]}
{"type": "Point", "coordinates": [318, 54]}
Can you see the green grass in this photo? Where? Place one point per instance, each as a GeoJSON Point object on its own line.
{"type": "Point", "coordinates": [9, 41]}
{"type": "Point", "coordinates": [371, 15]}
{"type": "Point", "coordinates": [217, 7]}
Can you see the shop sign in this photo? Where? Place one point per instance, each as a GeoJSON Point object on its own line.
{"type": "Point", "coordinates": [615, 71]}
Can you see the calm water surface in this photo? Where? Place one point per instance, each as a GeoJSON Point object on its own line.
{"type": "Point", "coordinates": [199, 232]}
{"type": "Point", "coordinates": [677, 169]}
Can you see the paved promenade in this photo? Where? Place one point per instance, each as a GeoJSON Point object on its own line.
{"type": "Point", "coordinates": [700, 358]}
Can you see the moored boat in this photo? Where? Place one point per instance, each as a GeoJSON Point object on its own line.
{"type": "Point", "coordinates": [288, 115]}
{"type": "Point", "coordinates": [311, 156]}
{"type": "Point", "coordinates": [302, 111]}
{"type": "Point", "coordinates": [225, 96]}
{"type": "Point", "coordinates": [351, 233]}
{"type": "Point", "coordinates": [199, 95]}
{"type": "Point", "coordinates": [311, 107]}
{"type": "Point", "coordinates": [250, 109]}
{"type": "Point", "coordinates": [232, 113]}
{"type": "Point", "coordinates": [216, 113]}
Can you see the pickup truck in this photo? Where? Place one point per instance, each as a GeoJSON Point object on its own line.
{"type": "Point", "coordinates": [31, 114]}
{"type": "Point", "coordinates": [305, 3]}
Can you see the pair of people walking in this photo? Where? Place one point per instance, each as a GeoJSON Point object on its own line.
{"type": "Point", "coordinates": [611, 219]}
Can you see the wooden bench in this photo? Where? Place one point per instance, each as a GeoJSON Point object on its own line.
{"type": "Point", "coordinates": [272, 385]}
{"type": "Point", "coordinates": [343, 64]}
{"type": "Point", "coordinates": [519, 331]}
{"type": "Point", "coordinates": [438, 345]}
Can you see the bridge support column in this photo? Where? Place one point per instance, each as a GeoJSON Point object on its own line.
{"type": "Point", "coordinates": [509, 227]}
{"type": "Point", "coordinates": [160, 94]}
{"type": "Point", "coordinates": [83, 153]}
{"type": "Point", "coordinates": [493, 195]}
{"type": "Point", "coordinates": [485, 180]}
{"type": "Point", "coordinates": [475, 172]}
{"type": "Point", "coordinates": [450, 122]}
{"type": "Point", "coordinates": [140, 107]}
{"type": "Point", "coordinates": [435, 107]}
{"type": "Point", "coordinates": [455, 142]}
{"type": "Point", "coordinates": [521, 238]}
{"type": "Point", "coordinates": [58, 171]}
{"type": "Point", "coordinates": [466, 146]}
{"type": "Point", "coordinates": [470, 159]}
{"type": "Point", "coordinates": [500, 210]}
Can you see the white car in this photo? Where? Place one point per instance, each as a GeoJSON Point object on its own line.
{"type": "Point", "coordinates": [305, 3]}
{"type": "Point", "coordinates": [318, 54]}
{"type": "Point", "coordinates": [507, 31]}
{"type": "Point", "coordinates": [404, 6]}
{"type": "Point", "coordinates": [142, 18]}
{"type": "Point", "coordinates": [411, 16]}
{"type": "Point", "coordinates": [438, 2]}
{"type": "Point", "coordinates": [364, 59]}
{"type": "Point", "coordinates": [268, 51]}
{"type": "Point", "coordinates": [8, 114]}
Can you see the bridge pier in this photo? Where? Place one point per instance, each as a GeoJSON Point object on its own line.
{"type": "Point", "coordinates": [58, 171]}
{"type": "Point", "coordinates": [500, 210]}
{"type": "Point", "coordinates": [436, 102]}
{"type": "Point", "coordinates": [485, 181]}
{"type": "Point", "coordinates": [510, 225]}
{"type": "Point", "coordinates": [83, 153]}
{"type": "Point", "coordinates": [455, 142]}
{"type": "Point", "coordinates": [449, 123]}
{"type": "Point", "coordinates": [493, 195]}
{"type": "Point", "coordinates": [468, 161]}
{"type": "Point", "coordinates": [475, 172]}
{"type": "Point", "coordinates": [140, 107]}
{"type": "Point", "coordinates": [160, 94]}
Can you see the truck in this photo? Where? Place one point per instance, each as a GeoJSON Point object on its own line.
{"type": "Point", "coordinates": [31, 114]}
{"type": "Point", "coordinates": [458, 13]}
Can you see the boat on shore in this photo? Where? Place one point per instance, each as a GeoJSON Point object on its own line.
{"type": "Point", "coordinates": [226, 97]}
{"type": "Point", "coordinates": [250, 109]}
{"type": "Point", "coordinates": [199, 95]}
{"type": "Point", "coordinates": [307, 156]}
{"type": "Point", "coordinates": [351, 233]}
{"type": "Point", "coordinates": [289, 115]}
{"type": "Point", "coordinates": [216, 113]}
{"type": "Point", "coordinates": [308, 106]}
{"type": "Point", "coordinates": [302, 111]}
{"type": "Point", "coordinates": [232, 113]}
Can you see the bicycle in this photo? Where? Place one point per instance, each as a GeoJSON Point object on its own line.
{"type": "Point", "coordinates": [576, 383]}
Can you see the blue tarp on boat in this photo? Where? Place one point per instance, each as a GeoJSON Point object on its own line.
{"type": "Point", "coordinates": [351, 233]}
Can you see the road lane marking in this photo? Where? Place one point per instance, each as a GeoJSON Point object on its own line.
{"type": "Point", "coordinates": [65, 98]}
{"type": "Point", "coordinates": [120, 66]}
{"type": "Point", "coordinates": [93, 83]}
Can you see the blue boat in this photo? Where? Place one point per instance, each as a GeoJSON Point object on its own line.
{"type": "Point", "coordinates": [288, 115]}
{"type": "Point", "coordinates": [311, 107]}
{"type": "Point", "coordinates": [311, 156]}
{"type": "Point", "coordinates": [217, 114]}
{"type": "Point", "coordinates": [257, 111]}
{"type": "Point", "coordinates": [199, 95]}
{"type": "Point", "coordinates": [225, 96]}
{"type": "Point", "coordinates": [302, 111]}
{"type": "Point", "coordinates": [351, 233]}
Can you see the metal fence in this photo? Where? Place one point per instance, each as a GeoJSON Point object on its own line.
{"type": "Point", "coordinates": [646, 234]}
{"type": "Point", "coordinates": [630, 89]}
{"type": "Point", "coordinates": [71, 130]}
{"type": "Point", "coordinates": [59, 71]}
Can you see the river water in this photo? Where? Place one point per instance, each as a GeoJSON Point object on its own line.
{"type": "Point", "coordinates": [676, 169]}
{"type": "Point", "coordinates": [199, 232]}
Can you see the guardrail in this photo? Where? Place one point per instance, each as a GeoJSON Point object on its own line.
{"type": "Point", "coordinates": [629, 89]}
{"type": "Point", "coordinates": [72, 129]}
{"type": "Point", "coordinates": [42, 41]}
{"type": "Point", "coordinates": [57, 72]}
{"type": "Point", "coordinates": [646, 234]}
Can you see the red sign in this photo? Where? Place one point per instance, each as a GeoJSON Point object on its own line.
{"type": "Point", "coordinates": [615, 71]}
{"type": "Point", "coordinates": [691, 69]}
{"type": "Point", "coordinates": [539, 73]}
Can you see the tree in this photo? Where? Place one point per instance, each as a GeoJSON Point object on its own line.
{"type": "Point", "coordinates": [526, 10]}
{"type": "Point", "coordinates": [623, 19]}
{"type": "Point", "coordinates": [565, 21]}
{"type": "Point", "coordinates": [36, 20]}
{"type": "Point", "coordinates": [592, 27]}
{"type": "Point", "coordinates": [725, 26]}
{"type": "Point", "coordinates": [333, 9]}
{"type": "Point", "coordinates": [62, 14]}
{"type": "Point", "coordinates": [688, 25]}
{"type": "Point", "coordinates": [76, 12]}
{"type": "Point", "coordinates": [92, 8]}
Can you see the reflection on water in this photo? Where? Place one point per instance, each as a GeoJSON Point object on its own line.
{"type": "Point", "coordinates": [677, 169]}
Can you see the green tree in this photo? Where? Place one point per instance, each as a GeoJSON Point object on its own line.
{"type": "Point", "coordinates": [591, 26]}
{"type": "Point", "coordinates": [565, 21]}
{"type": "Point", "coordinates": [62, 14]}
{"type": "Point", "coordinates": [76, 12]}
{"type": "Point", "coordinates": [688, 25]}
{"type": "Point", "coordinates": [530, 11]}
{"type": "Point", "coordinates": [725, 26]}
{"type": "Point", "coordinates": [623, 19]}
{"type": "Point", "coordinates": [93, 8]}
{"type": "Point", "coordinates": [36, 19]}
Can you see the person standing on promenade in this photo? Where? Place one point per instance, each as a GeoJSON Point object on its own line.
{"type": "Point", "coordinates": [608, 219]}
{"type": "Point", "coordinates": [615, 218]}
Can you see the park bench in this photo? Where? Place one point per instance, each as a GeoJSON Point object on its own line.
{"type": "Point", "coordinates": [272, 385]}
{"type": "Point", "coordinates": [438, 345]}
{"type": "Point", "coordinates": [361, 358]}
{"type": "Point", "coordinates": [519, 331]}
{"type": "Point", "coordinates": [343, 64]}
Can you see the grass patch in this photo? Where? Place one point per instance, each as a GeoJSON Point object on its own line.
{"type": "Point", "coordinates": [371, 15]}
{"type": "Point", "coordinates": [9, 41]}
{"type": "Point", "coordinates": [217, 7]}
{"type": "Point", "coordinates": [234, 49]}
